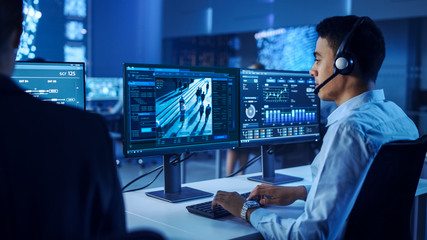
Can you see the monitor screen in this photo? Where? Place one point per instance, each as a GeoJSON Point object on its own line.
{"type": "Point", "coordinates": [104, 88]}
{"type": "Point", "coordinates": [174, 109]}
{"type": "Point", "coordinates": [277, 107]}
{"type": "Point", "coordinates": [59, 82]}
{"type": "Point", "coordinates": [104, 95]}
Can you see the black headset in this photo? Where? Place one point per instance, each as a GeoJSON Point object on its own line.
{"type": "Point", "coordinates": [344, 62]}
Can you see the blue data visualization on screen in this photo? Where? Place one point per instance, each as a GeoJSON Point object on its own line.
{"type": "Point", "coordinates": [277, 107]}
{"type": "Point", "coordinates": [58, 82]}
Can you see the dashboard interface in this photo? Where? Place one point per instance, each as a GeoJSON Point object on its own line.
{"type": "Point", "coordinates": [277, 107]}
{"type": "Point", "coordinates": [59, 82]}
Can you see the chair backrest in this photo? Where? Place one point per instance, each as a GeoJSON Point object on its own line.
{"type": "Point", "coordinates": [383, 207]}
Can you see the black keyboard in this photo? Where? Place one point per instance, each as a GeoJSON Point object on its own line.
{"type": "Point", "coordinates": [205, 209]}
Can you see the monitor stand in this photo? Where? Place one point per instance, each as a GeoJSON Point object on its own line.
{"type": "Point", "coordinates": [268, 174]}
{"type": "Point", "coordinates": [173, 191]}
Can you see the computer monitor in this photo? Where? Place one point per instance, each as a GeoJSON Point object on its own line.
{"type": "Point", "coordinates": [58, 82]}
{"type": "Point", "coordinates": [104, 88]}
{"type": "Point", "coordinates": [176, 109]}
{"type": "Point", "coordinates": [104, 95]}
{"type": "Point", "coordinates": [277, 107]}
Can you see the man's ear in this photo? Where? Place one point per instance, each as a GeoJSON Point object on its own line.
{"type": "Point", "coordinates": [17, 37]}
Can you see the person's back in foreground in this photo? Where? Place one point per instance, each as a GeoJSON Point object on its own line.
{"type": "Point", "coordinates": [57, 176]}
{"type": "Point", "coordinates": [361, 124]}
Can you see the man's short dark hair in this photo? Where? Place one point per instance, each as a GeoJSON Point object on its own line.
{"type": "Point", "coordinates": [10, 18]}
{"type": "Point", "coordinates": [366, 46]}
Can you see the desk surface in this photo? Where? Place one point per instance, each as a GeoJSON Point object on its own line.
{"type": "Point", "coordinates": [175, 222]}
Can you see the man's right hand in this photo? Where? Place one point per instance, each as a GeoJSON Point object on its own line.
{"type": "Point", "coordinates": [278, 195]}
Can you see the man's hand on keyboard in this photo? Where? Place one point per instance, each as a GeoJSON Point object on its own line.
{"type": "Point", "coordinates": [230, 201]}
{"type": "Point", "coordinates": [278, 195]}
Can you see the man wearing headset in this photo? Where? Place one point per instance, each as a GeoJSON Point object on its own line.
{"type": "Point", "coordinates": [349, 53]}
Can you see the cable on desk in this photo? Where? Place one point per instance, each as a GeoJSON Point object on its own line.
{"type": "Point", "coordinates": [136, 179]}
{"type": "Point", "coordinates": [137, 189]}
{"type": "Point", "coordinates": [248, 164]}
{"type": "Point", "coordinates": [175, 161]}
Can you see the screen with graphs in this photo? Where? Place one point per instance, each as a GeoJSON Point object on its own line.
{"type": "Point", "coordinates": [277, 107]}
{"type": "Point", "coordinates": [62, 83]}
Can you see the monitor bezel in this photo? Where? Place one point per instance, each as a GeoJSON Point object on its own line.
{"type": "Point", "coordinates": [278, 141]}
{"type": "Point", "coordinates": [55, 62]}
{"type": "Point", "coordinates": [234, 143]}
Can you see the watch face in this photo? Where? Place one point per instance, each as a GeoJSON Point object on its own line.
{"type": "Point", "coordinates": [252, 204]}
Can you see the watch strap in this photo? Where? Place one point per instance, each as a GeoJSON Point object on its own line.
{"type": "Point", "coordinates": [246, 206]}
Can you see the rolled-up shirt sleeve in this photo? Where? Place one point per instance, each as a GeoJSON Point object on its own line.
{"type": "Point", "coordinates": [307, 188]}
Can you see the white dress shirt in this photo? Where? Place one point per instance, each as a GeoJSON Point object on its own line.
{"type": "Point", "coordinates": [356, 131]}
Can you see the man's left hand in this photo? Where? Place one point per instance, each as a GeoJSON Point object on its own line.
{"type": "Point", "coordinates": [230, 201]}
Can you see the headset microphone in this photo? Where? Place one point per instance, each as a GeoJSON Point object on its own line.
{"type": "Point", "coordinates": [316, 91]}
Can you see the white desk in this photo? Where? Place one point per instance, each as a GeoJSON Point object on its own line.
{"type": "Point", "coordinates": [175, 222]}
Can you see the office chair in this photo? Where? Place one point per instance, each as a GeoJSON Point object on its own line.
{"type": "Point", "coordinates": [383, 207]}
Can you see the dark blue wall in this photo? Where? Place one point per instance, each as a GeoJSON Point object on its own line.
{"type": "Point", "coordinates": [123, 31]}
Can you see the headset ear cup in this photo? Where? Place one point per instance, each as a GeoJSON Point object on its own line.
{"type": "Point", "coordinates": [343, 64]}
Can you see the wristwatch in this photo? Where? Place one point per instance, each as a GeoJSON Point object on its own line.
{"type": "Point", "coordinates": [248, 205]}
